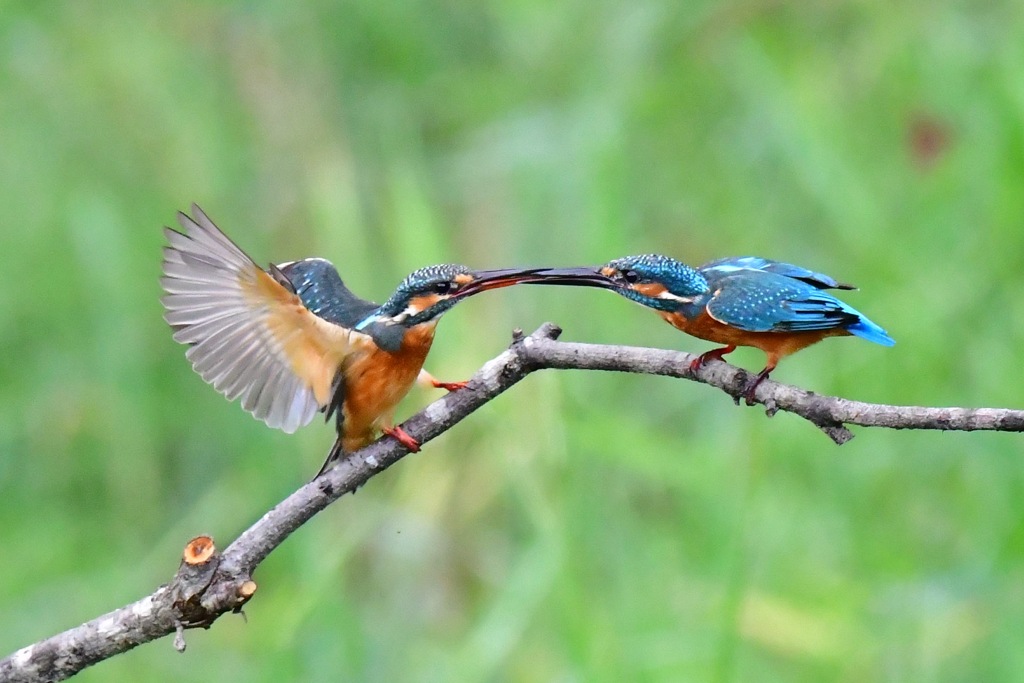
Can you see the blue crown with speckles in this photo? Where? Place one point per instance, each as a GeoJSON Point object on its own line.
{"type": "Point", "coordinates": [679, 278]}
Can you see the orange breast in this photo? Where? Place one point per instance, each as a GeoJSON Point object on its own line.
{"type": "Point", "coordinates": [775, 344]}
{"type": "Point", "coordinates": [375, 382]}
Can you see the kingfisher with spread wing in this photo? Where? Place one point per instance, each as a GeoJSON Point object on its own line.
{"type": "Point", "coordinates": [292, 340]}
{"type": "Point", "coordinates": [777, 307]}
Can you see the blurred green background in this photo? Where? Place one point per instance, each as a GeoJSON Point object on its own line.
{"type": "Point", "coordinates": [584, 526]}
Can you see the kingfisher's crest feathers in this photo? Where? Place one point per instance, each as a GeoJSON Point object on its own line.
{"type": "Point", "coordinates": [635, 274]}
{"type": "Point", "coordinates": [423, 278]}
{"type": "Point", "coordinates": [428, 292]}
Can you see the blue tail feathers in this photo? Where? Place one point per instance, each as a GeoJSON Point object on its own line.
{"type": "Point", "coordinates": [866, 329]}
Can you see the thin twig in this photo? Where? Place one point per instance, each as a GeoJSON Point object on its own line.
{"type": "Point", "coordinates": [209, 584]}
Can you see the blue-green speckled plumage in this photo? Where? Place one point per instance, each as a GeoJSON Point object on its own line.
{"type": "Point", "coordinates": [679, 278]}
{"type": "Point", "coordinates": [380, 323]}
{"type": "Point", "coordinates": [749, 293]}
{"type": "Point", "coordinates": [419, 282]}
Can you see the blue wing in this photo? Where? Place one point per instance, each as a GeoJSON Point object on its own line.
{"type": "Point", "coordinates": [733, 264]}
{"type": "Point", "coordinates": [318, 285]}
{"type": "Point", "coordinates": [762, 301]}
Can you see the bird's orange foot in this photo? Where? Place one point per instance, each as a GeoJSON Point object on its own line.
{"type": "Point", "coordinates": [450, 386]}
{"type": "Point", "coordinates": [752, 384]}
{"type": "Point", "coordinates": [714, 354]}
{"type": "Point", "coordinates": [403, 438]}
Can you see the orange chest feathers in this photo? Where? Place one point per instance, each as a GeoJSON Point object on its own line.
{"type": "Point", "coordinates": [705, 327]}
{"type": "Point", "coordinates": [376, 381]}
{"type": "Point", "coordinates": [773, 343]}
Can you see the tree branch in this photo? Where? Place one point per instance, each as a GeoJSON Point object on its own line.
{"type": "Point", "coordinates": [209, 584]}
{"type": "Point", "coordinates": [829, 413]}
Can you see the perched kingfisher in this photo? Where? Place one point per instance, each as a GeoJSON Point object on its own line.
{"type": "Point", "coordinates": [292, 340]}
{"type": "Point", "coordinates": [741, 301]}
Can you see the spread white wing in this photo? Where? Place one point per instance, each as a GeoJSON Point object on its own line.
{"type": "Point", "coordinates": [250, 336]}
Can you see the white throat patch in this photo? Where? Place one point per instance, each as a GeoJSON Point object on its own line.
{"type": "Point", "coordinates": [672, 297]}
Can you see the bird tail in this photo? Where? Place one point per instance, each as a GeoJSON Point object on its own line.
{"type": "Point", "coordinates": [333, 456]}
{"type": "Point", "coordinates": [866, 329]}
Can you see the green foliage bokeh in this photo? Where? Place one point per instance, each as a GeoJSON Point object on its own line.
{"type": "Point", "coordinates": [584, 526]}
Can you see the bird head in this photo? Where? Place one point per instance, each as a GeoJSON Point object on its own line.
{"type": "Point", "coordinates": [653, 280]}
{"type": "Point", "coordinates": [425, 294]}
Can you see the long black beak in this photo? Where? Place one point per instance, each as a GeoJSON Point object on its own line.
{"type": "Point", "coordinates": [493, 279]}
{"type": "Point", "coordinates": [586, 276]}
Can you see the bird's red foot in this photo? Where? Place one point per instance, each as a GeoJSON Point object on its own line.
{"type": "Point", "coordinates": [449, 386]}
{"type": "Point", "coordinates": [714, 354]}
{"type": "Point", "coordinates": [752, 384]}
{"type": "Point", "coordinates": [403, 438]}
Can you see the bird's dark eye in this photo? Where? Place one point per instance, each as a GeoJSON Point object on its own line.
{"type": "Point", "coordinates": [443, 287]}
{"type": "Point", "coordinates": [631, 276]}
